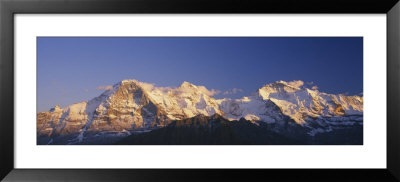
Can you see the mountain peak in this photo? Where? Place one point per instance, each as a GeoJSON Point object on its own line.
{"type": "Point", "coordinates": [295, 83]}
{"type": "Point", "coordinates": [132, 83]}
{"type": "Point", "coordinates": [129, 81]}
{"type": "Point", "coordinates": [286, 86]}
{"type": "Point", "coordinates": [186, 84]}
{"type": "Point", "coordinates": [55, 108]}
{"type": "Point", "coordinates": [280, 87]}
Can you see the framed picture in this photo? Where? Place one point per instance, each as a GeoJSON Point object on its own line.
{"type": "Point", "coordinates": [108, 91]}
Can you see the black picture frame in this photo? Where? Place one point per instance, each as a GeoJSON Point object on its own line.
{"type": "Point", "coordinates": [8, 8]}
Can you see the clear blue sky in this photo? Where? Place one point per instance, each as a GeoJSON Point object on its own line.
{"type": "Point", "coordinates": [70, 69]}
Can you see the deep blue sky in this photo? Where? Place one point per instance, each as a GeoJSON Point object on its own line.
{"type": "Point", "coordinates": [70, 69]}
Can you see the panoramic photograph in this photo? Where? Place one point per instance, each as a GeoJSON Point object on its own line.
{"type": "Point", "coordinates": [199, 91]}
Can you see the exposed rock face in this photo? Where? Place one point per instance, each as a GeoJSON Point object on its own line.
{"type": "Point", "coordinates": [132, 105]}
{"type": "Point", "coordinates": [125, 107]}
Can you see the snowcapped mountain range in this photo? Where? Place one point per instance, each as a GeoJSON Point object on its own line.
{"type": "Point", "coordinates": [133, 106]}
